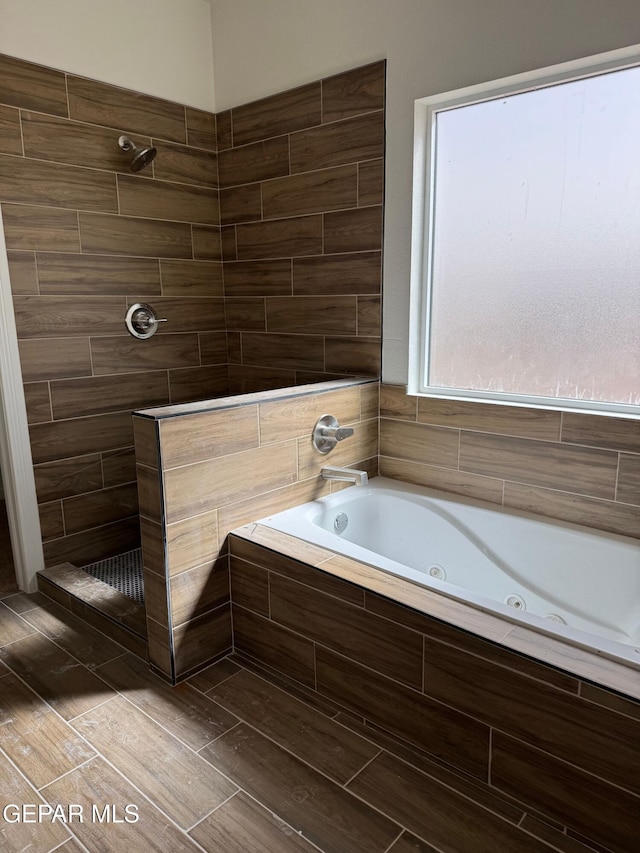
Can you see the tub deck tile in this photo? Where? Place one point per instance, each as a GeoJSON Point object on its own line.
{"type": "Point", "coordinates": [349, 630]}
{"type": "Point", "coordinates": [468, 642]}
{"type": "Point", "coordinates": [442, 730]}
{"type": "Point", "coordinates": [574, 661]}
{"type": "Point", "coordinates": [598, 740]}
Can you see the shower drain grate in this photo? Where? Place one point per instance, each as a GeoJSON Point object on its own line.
{"type": "Point", "coordinates": [123, 572]}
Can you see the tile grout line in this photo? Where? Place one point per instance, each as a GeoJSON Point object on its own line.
{"type": "Point", "coordinates": [355, 794]}
{"type": "Point", "coordinates": [217, 737]}
{"type": "Point", "coordinates": [68, 772]}
{"type": "Point", "coordinates": [275, 815]}
{"type": "Point", "coordinates": [450, 768]}
{"type": "Point", "coordinates": [263, 676]}
{"type": "Point", "coordinates": [156, 722]}
{"type": "Point", "coordinates": [63, 844]}
{"type": "Point", "coordinates": [261, 733]}
{"type": "Point", "coordinates": [394, 842]}
{"type": "Point", "coordinates": [491, 788]}
{"type": "Point", "coordinates": [94, 667]}
{"type": "Point", "coordinates": [369, 668]}
{"type": "Point", "coordinates": [500, 817]}
{"type": "Point", "coordinates": [128, 780]}
{"type": "Point", "coordinates": [412, 630]}
{"type": "Point", "coordinates": [24, 775]}
{"type": "Point", "coordinates": [43, 798]}
{"type": "Point", "coordinates": [346, 784]}
{"type": "Point", "coordinates": [584, 698]}
{"type": "Point", "coordinates": [213, 811]}
{"type": "Point", "coordinates": [582, 770]}
{"type": "Point", "coordinates": [194, 184]}
{"type": "Point", "coordinates": [329, 779]}
{"type": "Point", "coordinates": [317, 126]}
{"type": "Point", "coordinates": [289, 751]}
{"type": "Point", "coordinates": [89, 667]}
{"type": "Point", "coordinates": [552, 845]}
{"type": "Point", "coordinates": [95, 707]}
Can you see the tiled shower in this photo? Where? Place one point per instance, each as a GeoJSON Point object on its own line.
{"type": "Point", "coordinates": [83, 244]}
{"type": "Point", "coordinates": [285, 194]}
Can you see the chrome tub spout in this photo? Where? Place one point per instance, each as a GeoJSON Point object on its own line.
{"type": "Point", "coordinates": [347, 475]}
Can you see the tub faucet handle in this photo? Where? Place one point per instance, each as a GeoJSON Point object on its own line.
{"type": "Point", "coordinates": [339, 434]}
{"type": "Point", "coordinates": [327, 433]}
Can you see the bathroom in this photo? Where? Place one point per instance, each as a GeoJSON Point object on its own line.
{"type": "Point", "coordinates": [71, 318]}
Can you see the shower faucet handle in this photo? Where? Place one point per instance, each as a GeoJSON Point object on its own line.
{"type": "Point", "coordinates": [327, 432]}
{"type": "Point", "coordinates": [339, 433]}
{"type": "Point", "coordinates": [141, 321]}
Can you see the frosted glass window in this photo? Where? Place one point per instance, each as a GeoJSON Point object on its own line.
{"type": "Point", "coordinates": [534, 233]}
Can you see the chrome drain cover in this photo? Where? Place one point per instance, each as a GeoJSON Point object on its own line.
{"type": "Point", "coordinates": [340, 522]}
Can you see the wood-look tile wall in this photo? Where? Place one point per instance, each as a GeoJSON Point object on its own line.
{"type": "Point", "coordinates": [200, 475]}
{"type": "Point", "coordinates": [579, 468]}
{"type": "Point", "coordinates": [301, 192]}
{"type": "Point", "coordinates": [566, 749]}
{"type": "Point", "coordinates": [86, 239]}
{"type": "Point", "coordinates": [300, 204]}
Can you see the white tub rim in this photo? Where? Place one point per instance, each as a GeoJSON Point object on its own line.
{"type": "Point", "coordinates": [569, 648]}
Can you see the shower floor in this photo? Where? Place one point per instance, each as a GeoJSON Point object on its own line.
{"type": "Point", "coordinates": [123, 572]}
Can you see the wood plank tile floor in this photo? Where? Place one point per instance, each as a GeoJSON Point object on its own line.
{"type": "Point", "coordinates": [98, 754]}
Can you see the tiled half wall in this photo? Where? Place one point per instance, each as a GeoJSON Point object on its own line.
{"type": "Point", "coordinates": [203, 473]}
{"type": "Point", "coordinates": [298, 187]}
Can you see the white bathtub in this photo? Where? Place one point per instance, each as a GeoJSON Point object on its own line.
{"type": "Point", "coordinates": [559, 578]}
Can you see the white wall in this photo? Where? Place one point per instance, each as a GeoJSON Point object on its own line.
{"type": "Point", "coordinates": [265, 46]}
{"type": "Point", "coordinates": [160, 47]}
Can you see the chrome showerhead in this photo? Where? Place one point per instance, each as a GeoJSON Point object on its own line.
{"type": "Point", "coordinates": [141, 156]}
